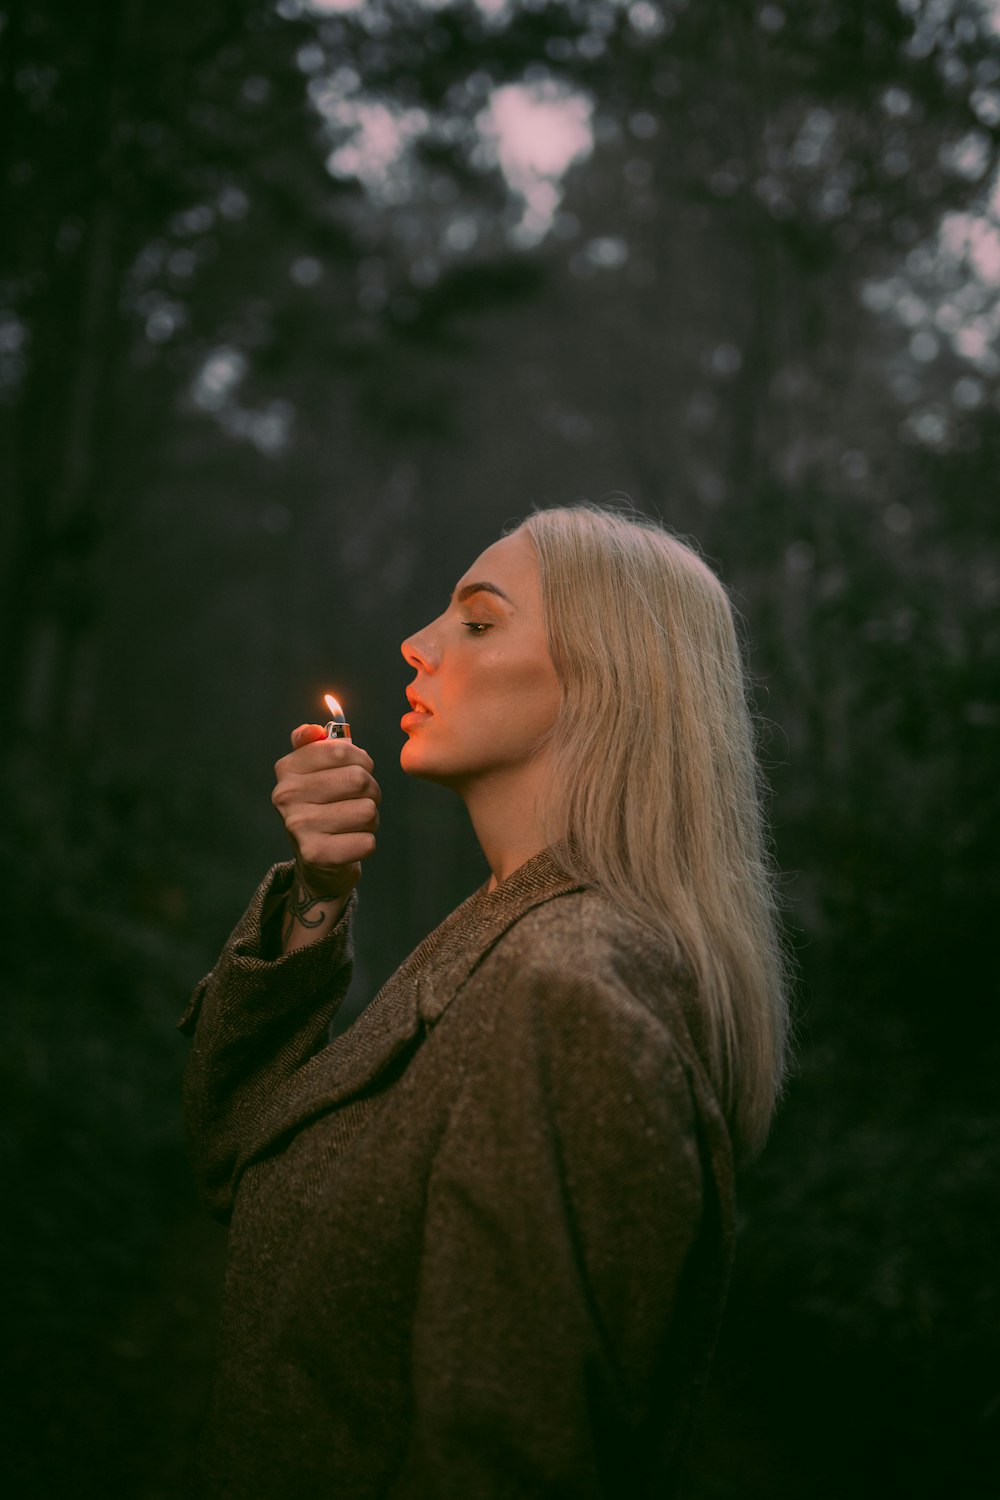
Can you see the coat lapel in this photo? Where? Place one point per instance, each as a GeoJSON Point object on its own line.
{"type": "Point", "coordinates": [345, 1067]}
{"type": "Point", "coordinates": [412, 1000]}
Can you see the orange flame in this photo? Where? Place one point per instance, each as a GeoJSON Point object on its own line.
{"type": "Point", "coordinates": [336, 712]}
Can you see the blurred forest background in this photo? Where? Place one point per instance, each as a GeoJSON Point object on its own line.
{"type": "Point", "coordinates": [300, 303]}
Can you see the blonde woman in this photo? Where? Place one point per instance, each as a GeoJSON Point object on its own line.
{"type": "Point", "coordinates": [479, 1243]}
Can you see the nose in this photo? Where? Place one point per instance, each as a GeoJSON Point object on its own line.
{"type": "Point", "coordinates": [418, 652]}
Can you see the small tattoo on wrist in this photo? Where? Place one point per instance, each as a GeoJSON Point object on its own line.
{"type": "Point", "coordinates": [301, 903]}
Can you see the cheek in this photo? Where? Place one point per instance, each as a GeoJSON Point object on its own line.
{"type": "Point", "coordinates": [546, 696]}
{"type": "Point", "coordinates": [523, 692]}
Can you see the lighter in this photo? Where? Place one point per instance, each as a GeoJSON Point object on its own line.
{"type": "Point", "coordinates": [338, 728]}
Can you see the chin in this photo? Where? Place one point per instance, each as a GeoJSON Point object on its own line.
{"type": "Point", "coordinates": [416, 761]}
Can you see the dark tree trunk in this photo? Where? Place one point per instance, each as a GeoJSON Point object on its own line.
{"type": "Point", "coordinates": [64, 415]}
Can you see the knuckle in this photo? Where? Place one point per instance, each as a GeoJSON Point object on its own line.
{"type": "Point", "coordinates": [311, 849]}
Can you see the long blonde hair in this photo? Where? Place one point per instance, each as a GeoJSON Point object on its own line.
{"type": "Point", "coordinates": [660, 800]}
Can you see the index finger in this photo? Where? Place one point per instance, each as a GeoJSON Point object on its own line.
{"type": "Point", "coordinates": [306, 733]}
{"type": "Point", "coordinates": [320, 754]}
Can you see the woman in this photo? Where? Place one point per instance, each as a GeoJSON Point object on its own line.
{"type": "Point", "coordinates": [479, 1243]}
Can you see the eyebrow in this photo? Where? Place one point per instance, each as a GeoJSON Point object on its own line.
{"type": "Point", "coordinates": [482, 587]}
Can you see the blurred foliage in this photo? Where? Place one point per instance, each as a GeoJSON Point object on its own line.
{"type": "Point", "coordinates": [299, 304]}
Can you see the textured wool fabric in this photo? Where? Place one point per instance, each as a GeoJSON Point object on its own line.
{"type": "Point", "coordinates": [479, 1243]}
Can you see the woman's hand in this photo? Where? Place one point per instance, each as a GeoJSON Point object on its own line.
{"type": "Point", "coordinates": [328, 801]}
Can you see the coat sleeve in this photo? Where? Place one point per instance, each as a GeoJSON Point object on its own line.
{"type": "Point", "coordinates": [562, 1209]}
{"type": "Point", "coordinates": [255, 1020]}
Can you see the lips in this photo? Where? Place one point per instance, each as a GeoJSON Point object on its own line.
{"type": "Point", "coordinates": [419, 712]}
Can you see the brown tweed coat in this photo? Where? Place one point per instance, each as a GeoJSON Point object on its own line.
{"type": "Point", "coordinates": [479, 1243]}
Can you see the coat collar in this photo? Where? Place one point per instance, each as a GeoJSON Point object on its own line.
{"type": "Point", "coordinates": [413, 999]}
{"type": "Point", "coordinates": [487, 916]}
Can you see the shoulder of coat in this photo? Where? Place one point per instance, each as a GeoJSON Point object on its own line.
{"type": "Point", "coordinates": [579, 942]}
{"type": "Point", "coordinates": [585, 929]}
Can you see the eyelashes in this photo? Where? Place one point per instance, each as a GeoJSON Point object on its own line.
{"type": "Point", "coordinates": [477, 627]}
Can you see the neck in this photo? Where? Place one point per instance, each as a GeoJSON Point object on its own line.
{"type": "Point", "coordinates": [505, 815]}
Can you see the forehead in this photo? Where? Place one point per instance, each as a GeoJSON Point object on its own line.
{"type": "Point", "coordinates": [510, 563]}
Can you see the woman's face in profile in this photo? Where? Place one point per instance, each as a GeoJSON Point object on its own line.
{"type": "Point", "coordinates": [486, 690]}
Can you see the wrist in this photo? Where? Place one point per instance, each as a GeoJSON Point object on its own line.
{"type": "Point", "coordinates": [308, 918]}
